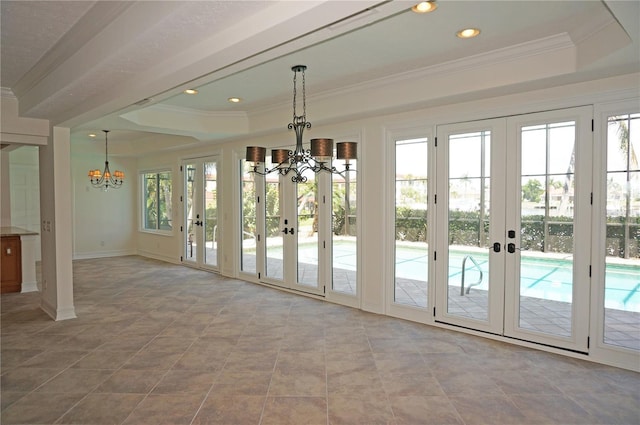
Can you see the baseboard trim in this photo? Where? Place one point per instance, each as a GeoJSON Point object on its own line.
{"type": "Point", "coordinates": [29, 287]}
{"type": "Point", "coordinates": [58, 314]}
{"type": "Point", "coordinates": [103, 254]}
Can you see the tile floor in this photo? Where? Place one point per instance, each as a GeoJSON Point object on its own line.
{"type": "Point", "coordinates": [156, 343]}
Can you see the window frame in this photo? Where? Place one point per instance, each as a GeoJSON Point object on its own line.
{"type": "Point", "coordinates": [143, 198]}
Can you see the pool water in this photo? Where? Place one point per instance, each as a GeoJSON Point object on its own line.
{"type": "Point", "coordinates": [545, 278]}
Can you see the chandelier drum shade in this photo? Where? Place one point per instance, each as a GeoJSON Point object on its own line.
{"type": "Point", "coordinates": [297, 161]}
{"type": "Point", "coordinates": [105, 179]}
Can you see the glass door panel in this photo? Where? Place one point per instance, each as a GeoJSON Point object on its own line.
{"type": "Point", "coordinates": [211, 213]}
{"type": "Point", "coordinates": [547, 228]}
{"type": "Point", "coordinates": [275, 224]}
{"type": "Point", "coordinates": [249, 232]}
{"type": "Point", "coordinates": [190, 243]}
{"type": "Point", "coordinates": [469, 183]}
{"type": "Point", "coordinates": [622, 253]}
{"type": "Point", "coordinates": [411, 200]}
{"type": "Point", "coordinates": [344, 229]}
{"type": "Point", "coordinates": [470, 288]}
{"type": "Point", "coordinates": [307, 230]}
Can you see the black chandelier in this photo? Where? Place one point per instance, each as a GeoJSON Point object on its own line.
{"type": "Point", "coordinates": [316, 159]}
{"type": "Point", "coordinates": [104, 179]}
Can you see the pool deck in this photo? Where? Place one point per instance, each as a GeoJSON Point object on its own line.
{"type": "Point", "coordinates": [622, 328]}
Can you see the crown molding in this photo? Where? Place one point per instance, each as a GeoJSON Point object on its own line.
{"type": "Point", "coordinates": [468, 64]}
{"type": "Point", "coordinates": [7, 92]}
{"type": "Point", "coordinates": [196, 112]}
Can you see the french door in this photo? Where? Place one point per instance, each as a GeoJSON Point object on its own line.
{"type": "Point", "coordinates": [200, 235]}
{"type": "Point", "coordinates": [514, 207]}
{"type": "Point", "coordinates": [292, 224]}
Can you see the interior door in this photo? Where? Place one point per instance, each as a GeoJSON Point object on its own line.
{"type": "Point", "coordinates": [201, 228]}
{"type": "Point", "coordinates": [514, 220]}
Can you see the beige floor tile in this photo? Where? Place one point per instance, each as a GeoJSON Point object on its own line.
{"type": "Point", "coordinates": [394, 363]}
{"type": "Point", "coordinates": [489, 410]}
{"type": "Point", "coordinates": [102, 409]}
{"type": "Point", "coordinates": [168, 344]}
{"type": "Point", "coordinates": [230, 410]}
{"type": "Point", "coordinates": [38, 408]}
{"type": "Point", "coordinates": [295, 411]}
{"type": "Point", "coordinates": [75, 381]}
{"type": "Point", "coordinates": [427, 410]}
{"type": "Point", "coordinates": [163, 409]}
{"type": "Point", "coordinates": [415, 384]}
{"type": "Point", "coordinates": [55, 359]}
{"type": "Point", "coordinates": [239, 382]}
{"type": "Point", "coordinates": [612, 409]}
{"type": "Point", "coordinates": [131, 381]}
{"type": "Point", "coordinates": [147, 359]}
{"type": "Point", "coordinates": [103, 360]}
{"type": "Point", "coordinates": [552, 408]}
{"type": "Point", "coordinates": [466, 383]}
{"type": "Point", "coordinates": [15, 357]}
{"type": "Point", "coordinates": [185, 382]}
{"type": "Point", "coordinates": [25, 379]}
{"type": "Point", "coordinates": [298, 382]}
{"type": "Point", "coordinates": [10, 397]}
{"type": "Point", "coordinates": [350, 410]}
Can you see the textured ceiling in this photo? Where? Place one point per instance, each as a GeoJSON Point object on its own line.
{"type": "Point", "coordinates": [86, 64]}
{"type": "Point", "coordinates": [30, 29]}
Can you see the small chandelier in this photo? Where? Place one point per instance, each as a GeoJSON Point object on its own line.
{"type": "Point", "coordinates": [105, 180]}
{"type": "Point", "coordinates": [316, 159]}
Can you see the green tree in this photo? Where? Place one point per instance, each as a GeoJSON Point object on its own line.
{"type": "Point", "coordinates": [532, 190]}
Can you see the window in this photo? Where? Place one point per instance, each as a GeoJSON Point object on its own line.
{"type": "Point", "coordinates": [156, 201]}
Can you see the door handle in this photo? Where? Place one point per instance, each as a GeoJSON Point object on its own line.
{"type": "Point", "coordinates": [496, 247]}
{"type": "Point", "coordinates": [287, 231]}
{"type": "Point", "coordinates": [198, 223]}
{"type": "Point", "coordinates": [511, 248]}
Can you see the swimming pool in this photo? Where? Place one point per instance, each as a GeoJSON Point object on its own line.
{"type": "Point", "coordinates": [544, 278]}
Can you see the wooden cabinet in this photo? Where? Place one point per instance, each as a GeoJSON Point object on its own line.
{"type": "Point", "coordinates": [11, 271]}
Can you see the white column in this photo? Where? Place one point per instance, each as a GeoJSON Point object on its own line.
{"type": "Point", "coordinates": [56, 225]}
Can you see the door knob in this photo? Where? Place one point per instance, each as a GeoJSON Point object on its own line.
{"type": "Point", "coordinates": [496, 247]}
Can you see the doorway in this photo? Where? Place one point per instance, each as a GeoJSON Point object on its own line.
{"type": "Point", "coordinates": [514, 207]}
{"type": "Point", "coordinates": [200, 238]}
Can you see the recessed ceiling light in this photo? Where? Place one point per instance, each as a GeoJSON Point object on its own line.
{"type": "Point", "coordinates": [92, 135]}
{"type": "Point", "coordinates": [468, 33]}
{"type": "Point", "coordinates": [234, 100]}
{"type": "Point", "coordinates": [191, 91]}
{"type": "Point", "coordinates": [425, 7]}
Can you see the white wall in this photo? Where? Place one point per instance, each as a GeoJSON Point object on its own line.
{"type": "Point", "coordinates": [25, 191]}
{"type": "Point", "coordinates": [103, 222]}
